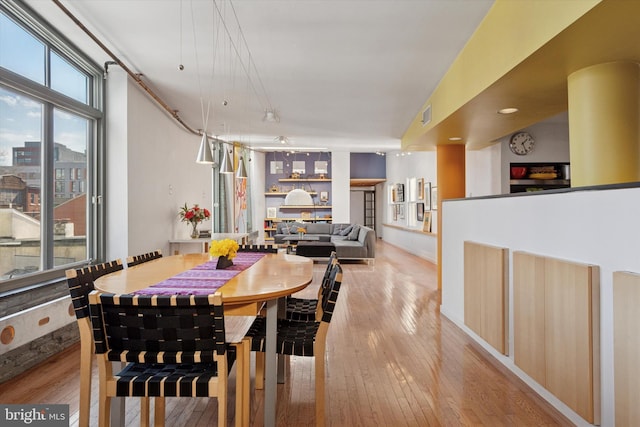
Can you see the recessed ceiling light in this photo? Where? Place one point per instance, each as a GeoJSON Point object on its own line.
{"type": "Point", "coordinates": [509, 110]}
{"type": "Point", "coordinates": [455, 138]}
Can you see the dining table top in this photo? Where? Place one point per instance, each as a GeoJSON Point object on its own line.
{"type": "Point", "coordinates": [273, 276]}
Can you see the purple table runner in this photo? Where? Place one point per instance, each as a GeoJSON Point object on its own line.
{"type": "Point", "coordinates": [202, 279]}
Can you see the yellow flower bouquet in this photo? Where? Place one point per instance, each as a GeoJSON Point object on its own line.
{"type": "Point", "coordinates": [226, 247]}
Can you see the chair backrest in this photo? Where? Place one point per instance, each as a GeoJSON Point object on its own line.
{"type": "Point", "coordinates": [158, 328]}
{"type": "Point", "coordinates": [80, 283]}
{"type": "Point", "coordinates": [326, 306]}
{"type": "Point", "coordinates": [258, 248]}
{"type": "Point", "coordinates": [333, 260]}
{"type": "Point", "coordinates": [139, 259]}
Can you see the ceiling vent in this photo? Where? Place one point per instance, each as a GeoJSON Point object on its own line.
{"type": "Point", "coordinates": [426, 116]}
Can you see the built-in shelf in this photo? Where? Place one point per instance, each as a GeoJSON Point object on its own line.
{"type": "Point", "coordinates": [534, 182]}
{"type": "Point", "coordinates": [277, 193]}
{"type": "Point", "coordinates": [559, 172]}
{"type": "Point", "coordinates": [317, 207]}
{"type": "Point", "coordinates": [304, 180]}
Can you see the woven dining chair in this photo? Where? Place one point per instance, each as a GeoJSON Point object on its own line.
{"type": "Point", "coordinates": [176, 347]}
{"type": "Point", "coordinates": [258, 248]}
{"type": "Point", "coordinates": [80, 283]}
{"type": "Point", "coordinates": [307, 339]}
{"type": "Point", "coordinates": [139, 259]}
{"type": "Point", "coordinates": [304, 309]}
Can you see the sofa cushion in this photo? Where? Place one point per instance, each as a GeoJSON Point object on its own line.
{"type": "Point", "coordinates": [337, 228]}
{"type": "Point", "coordinates": [346, 231]}
{"type": "Point", "coordinates": [353, 234]}
{"type": "Point", "coordinates": [319, 228]}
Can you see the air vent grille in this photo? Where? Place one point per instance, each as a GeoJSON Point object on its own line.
{"type": "Point", "coordinates": [426, 116]}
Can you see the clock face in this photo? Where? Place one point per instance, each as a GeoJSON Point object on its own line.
{"type": "Point", "coordinates": [521, 143]}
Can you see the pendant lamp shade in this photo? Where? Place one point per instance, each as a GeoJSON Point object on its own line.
{"type": "Point", "coordinates": [242, 171]}
{"type": "Point", "coordinates": [225, 166]}
{"type": "Point", "coordinates": [204, 153]}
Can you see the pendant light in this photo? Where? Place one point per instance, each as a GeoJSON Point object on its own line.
{"type": "Point", "coordinates": [225, 166]}
{"type": "Point", "coordinates": [242, 171]}
{"type": "Point", "coordinates": [204, 153]}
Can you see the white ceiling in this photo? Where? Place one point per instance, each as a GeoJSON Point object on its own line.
{"type": "Point", "coordinates": [341, 74]}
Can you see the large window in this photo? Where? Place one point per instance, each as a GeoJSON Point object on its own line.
{"type": "Point", "coordinates": [50, 115]}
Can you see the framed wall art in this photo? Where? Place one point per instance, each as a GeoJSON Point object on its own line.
{"type": "Point", "coordinates": [420, 212]}
{"type": "Point", "coordinates": [434, 198]}
{"type": "Point", "coordinates": [426, 222]}
{"type": "Point", "coordinates": [420, 189]}
{"type": "Point", "coordinates": [427, 196]}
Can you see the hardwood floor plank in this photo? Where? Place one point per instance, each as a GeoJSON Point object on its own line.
{"type": "Point", "coordinates": [391, 360]}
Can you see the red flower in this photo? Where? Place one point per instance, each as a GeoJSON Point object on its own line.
{"type": "Point", "coordinates": [195, 214]}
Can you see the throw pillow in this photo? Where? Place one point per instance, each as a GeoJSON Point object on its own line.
{"type": "Point", "coordinates": [353, 234]}
{"type": "Point", "coordinates": [337, 228]}
{"type": "Point", "coordinates": [295, 226]}
{"type": "Point", "coordinates": [285, 229]}
{"type": "Point", "coordinates": [346, 231]}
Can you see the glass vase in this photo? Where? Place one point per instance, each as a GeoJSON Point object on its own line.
{"type": "Point", "coordinates": [194, 230]}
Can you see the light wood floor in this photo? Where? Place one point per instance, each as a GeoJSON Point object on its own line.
{"type": "Point", "coordinates": [392, 360]}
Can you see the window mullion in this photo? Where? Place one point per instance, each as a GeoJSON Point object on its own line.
{"type": "Point", "coordinates": [47, 187]}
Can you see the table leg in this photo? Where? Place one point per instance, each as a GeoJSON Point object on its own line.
{"type": "Point", "coordinates": [270, 385]}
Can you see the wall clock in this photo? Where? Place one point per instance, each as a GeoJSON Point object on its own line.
{"type": "Point", "coordinates": [521, 143]}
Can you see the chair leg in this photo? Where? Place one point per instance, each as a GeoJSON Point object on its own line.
{"type": "Point", "coordinates": [144, 412]}
{"type": "Point", "coordinates": [242, 375]}
{"type": "Point", "coordinates": [246, 383]}
{"type": "Point", "coordinates": [86, 359]}
{"type": "Point", "coordinates": [259, 370]}
{"type": "Point", "coordinates": [158, 411]}
{"type": "Point", "coordinates": [319, 368]}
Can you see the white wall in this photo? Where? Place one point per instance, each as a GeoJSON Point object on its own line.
{"type": "Point", "coordinates": [340, 186]}
{"type": "Point", "coordinates": [594, 227]}
{"type": "Point", "coordinates": [151, 172]}
{"type": "Point", "coordinates": [399, 169]}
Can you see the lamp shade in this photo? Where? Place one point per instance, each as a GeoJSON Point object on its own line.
{"type": "Point", "coordinates": [242, 171]}
{"type": "Point", "coordinates": [225, 166]}
{"type": "Point", "coordinates": [204, 153]}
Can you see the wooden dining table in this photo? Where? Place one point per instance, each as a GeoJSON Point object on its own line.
{"type": "Point", "coordinates": [271, 278]}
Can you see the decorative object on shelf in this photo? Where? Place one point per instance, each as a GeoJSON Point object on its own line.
{"type": "Point", "coordinates": [272, 212]}
{"type": "Point", "coordinates": [324, 196]}
{"type": "Point", "coordinates": [226, 250]}
{"type": "Point", "coordinates": [521, 143]}
{"type": "Point", "coordinates": [426, 222]}
{"type": "Point", "coordinates": [274, 188]}
{"type": "Point", "coordinates": [518, 172]}
{"type": "Point", "coordinates": [194, 216]}
{"type": "Point", "coordinates": [295, 175]}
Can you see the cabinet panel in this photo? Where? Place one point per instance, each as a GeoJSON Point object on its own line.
{"type": "Point", "coordinates": [528, 315]}
{"type": "Point", "coordinates": [626, 347]}
{"type": "Point", "coordinates": [485, 293]}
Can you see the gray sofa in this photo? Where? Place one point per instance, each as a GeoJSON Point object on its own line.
{"type": "Point", "coordinates": [352, 241]}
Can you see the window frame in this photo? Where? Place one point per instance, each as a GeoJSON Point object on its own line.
{"type": "Point", "coordinates": [92, 110]}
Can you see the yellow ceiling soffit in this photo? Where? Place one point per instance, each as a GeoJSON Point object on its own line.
{"type": "Point", "coordinates": [511, 32]}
